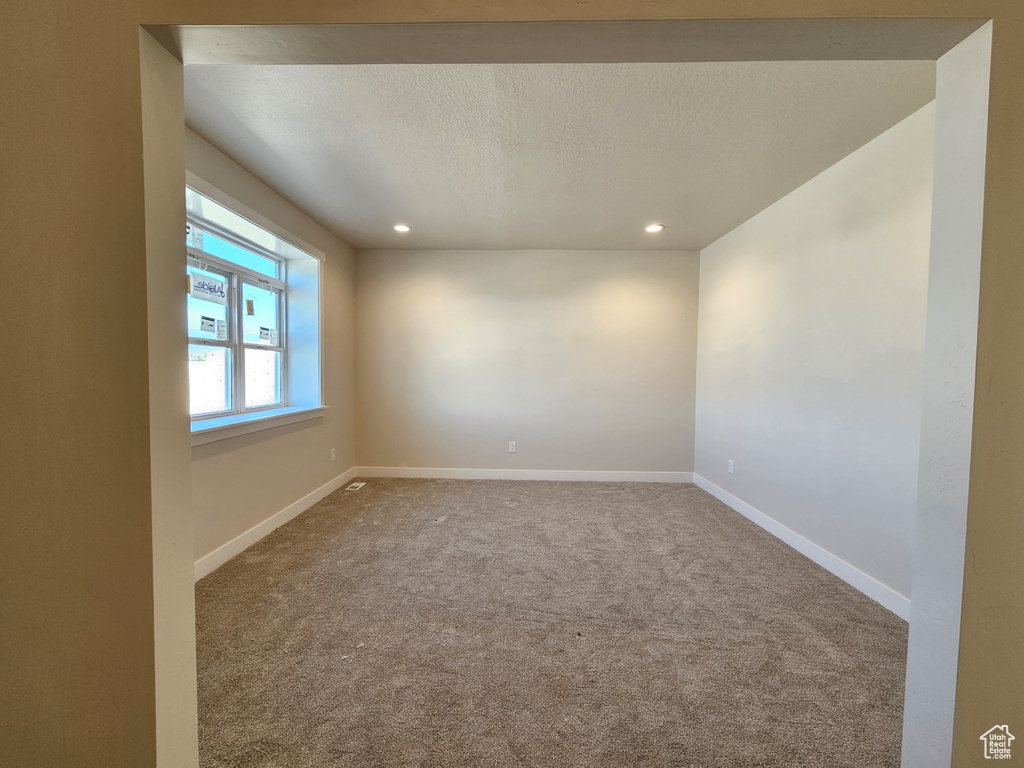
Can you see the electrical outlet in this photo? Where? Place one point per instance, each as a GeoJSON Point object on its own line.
{"type": "Point", "coordinates": [730, 466]}
{"type": "Point", "coordinates": [334, 454]}
{"type": "Point", "coordinates": [511, 446]}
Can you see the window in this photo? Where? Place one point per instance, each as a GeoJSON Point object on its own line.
{"type": "Point", "coordinates": [242, 355]}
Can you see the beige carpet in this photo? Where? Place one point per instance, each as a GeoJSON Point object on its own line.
{"type": "Point", "coordinates": [493, 623]}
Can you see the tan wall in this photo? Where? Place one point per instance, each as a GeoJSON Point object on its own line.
{"type": "Point", "coordinates": [585, 358]}
{"type": "Point", "coordinates": [76, 563]}
{"type": "Point", "coordinates": [77, 680]}
{"type": "Point", "coordinates": [239, 482]}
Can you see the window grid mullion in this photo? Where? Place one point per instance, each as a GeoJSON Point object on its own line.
{"type": "Point", "coordinates": [210, 342]}
{"type": "Point", "coordinates": [239, 346]}
{"type": "Point", "coordinates": [282, 332]}
{"type": "Point", "coordinates": [266, 347]}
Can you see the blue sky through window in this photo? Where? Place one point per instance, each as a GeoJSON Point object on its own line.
{"type": "Point", "coordinates": [214, 246]}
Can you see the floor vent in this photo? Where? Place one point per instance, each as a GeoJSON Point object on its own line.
{"type": "Point", "coordinates": [355, 486]}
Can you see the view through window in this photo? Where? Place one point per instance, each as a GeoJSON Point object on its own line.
{"type": "Point", "coordinates": [236, 310]}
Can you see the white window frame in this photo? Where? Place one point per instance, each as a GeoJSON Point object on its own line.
{"type": "Point", "coordinates": [303, 271]}
{"type": "Point", "coordinates": [237, 276]}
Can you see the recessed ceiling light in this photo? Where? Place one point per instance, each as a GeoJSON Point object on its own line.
{"type": "Point", "coordinates": [402, 228]}
{"type": "Point", "coordinates": [653, 229]}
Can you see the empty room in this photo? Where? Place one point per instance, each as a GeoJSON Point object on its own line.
{"type": "Point", "coordinates": [594, 393]}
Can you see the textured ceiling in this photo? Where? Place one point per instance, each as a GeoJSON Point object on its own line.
{"type": "Point", "coordinates": [545, 155]}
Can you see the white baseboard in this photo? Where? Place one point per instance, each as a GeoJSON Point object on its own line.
{"type": "Point", "coordinates": [612, 476]}
{"type": "Point", "coordinates": [877, 591]}
{"type": "Point", "coordinates": [211, 562]}
{"type": "Point", "coordinates": [881, 594]}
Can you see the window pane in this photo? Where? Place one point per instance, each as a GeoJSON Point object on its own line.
{"type": "Point", "coordinates": [259, 316]}
{"type": "Point", "coordinates": [203, 207]}
{"type": "Point", "coordinates": [209, 379]}
{"type": "Point", "coordinates": [207, 305]}
{"type": "Point", "coordinates": [215, 246]}
{"type": "Point", "coordinates": [262, 377]}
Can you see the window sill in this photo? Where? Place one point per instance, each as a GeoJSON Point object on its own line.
{"type": "Point", "coordinates": [212, 430]}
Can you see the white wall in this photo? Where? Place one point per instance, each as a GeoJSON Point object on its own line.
{"type": "Point", "coordinates": [811, 354]}
{"type": "Point", "coordinates": [240, 482]}
{"type": "Point", "coordinates": [942, 545]}
{"type": "Point", "coordinates": [174, 610]}
{"type": "Point", "coordinates": [586, 358]}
